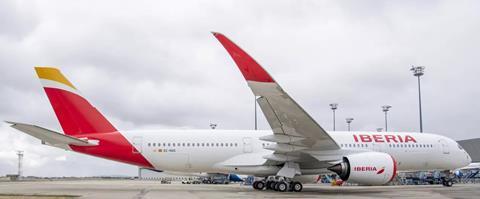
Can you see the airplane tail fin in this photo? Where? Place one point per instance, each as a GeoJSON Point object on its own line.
{"type": "Point", "coordinates": [75, 114]}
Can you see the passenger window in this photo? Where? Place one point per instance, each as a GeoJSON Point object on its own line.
{"type": "Point", "coordinates": [148, 144]}
{"type": "Point", "coordinates": [173, 144]}
{"type": "Point", "coordinates": [208, 144]}
{"type": "Point", "coordinates": [153, 144]}
{"type": "Point", "coordinates": [236, 144]}
{"type": "Point", "coordinates": [203, 144]}
{"type": "Point", "coordinates": [168, 144]}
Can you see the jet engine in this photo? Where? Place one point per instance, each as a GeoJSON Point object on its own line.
{"type": "Point", "coordinates": [367, 168]}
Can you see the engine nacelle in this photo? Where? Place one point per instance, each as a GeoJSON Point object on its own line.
{"type": "Point", "coordinates": [368, 168]}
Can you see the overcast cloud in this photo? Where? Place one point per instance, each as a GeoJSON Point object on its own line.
{"type": "Point", "coordinates": [155, 64]}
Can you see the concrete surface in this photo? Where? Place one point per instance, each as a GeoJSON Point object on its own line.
{"type": "Point", "coordinates": [151, 189]}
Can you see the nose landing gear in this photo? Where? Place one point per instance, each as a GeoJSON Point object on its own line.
{"type": "Point", "coordinates": [278, 184]}
{"type": "Point", "coordinates": [447, 180]}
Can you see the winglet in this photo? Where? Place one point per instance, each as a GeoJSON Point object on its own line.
{"type": "Point", "coordinates": [251, 70]}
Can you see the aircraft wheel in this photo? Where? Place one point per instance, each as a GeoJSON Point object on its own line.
{"type": "Point", "coordinates": [273, 185]}
{"type": "Point", "coordinates": [268, 184]}
{"type": "Point", "coordinates": [281, 186]}
{"type": "Point", "coordinates": [297, 186]}
{"type": "Point", "coordinates": [254, 185]}
{"type": "Point", "coordinates": [260, 185]}
{"type": "Point", "coordinates": [447, 183]}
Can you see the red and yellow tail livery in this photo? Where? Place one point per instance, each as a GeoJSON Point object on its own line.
{"type": "Point", "coordinates": [80, 119]}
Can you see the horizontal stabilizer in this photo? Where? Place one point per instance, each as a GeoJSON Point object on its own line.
{"type": "Point", "coordinates": [50, 137]}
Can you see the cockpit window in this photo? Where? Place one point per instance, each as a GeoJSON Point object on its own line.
{"type": "Point", "coordinates": [460, 147]}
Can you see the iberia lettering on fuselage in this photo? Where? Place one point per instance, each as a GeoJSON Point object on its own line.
{"type": "Point", "coordinates": [384, 138]}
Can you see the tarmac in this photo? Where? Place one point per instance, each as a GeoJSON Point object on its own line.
{"type": "Point", "coordinates": [135, 189]}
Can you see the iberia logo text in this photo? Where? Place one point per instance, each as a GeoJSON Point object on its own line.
{"type": "Point", "coordinates": [369, 168]}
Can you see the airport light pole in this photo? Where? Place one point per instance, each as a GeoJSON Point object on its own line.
{"type": "Point", "coordinates": [418, 71]}
{"type": "Point", "coordinates": [334, 107]}
{"type": "Point", "coordinates": [20, 163]}
{"type": "Point", "coordinates": [255, 112]}
{"type": "Point", "coordinates": [385, 109]}
{"type": "Point", "coordinates": [349, 120]}
{"type": "Point", "coordinates": [213, 125]}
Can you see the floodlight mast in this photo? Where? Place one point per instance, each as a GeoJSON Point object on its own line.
{"type": "Point", "coordinates": [349, 120]}
{"type": "Point", "coordinates": [256, 128]}
{"type": "Point", "coordinates": [213, 125]}
{"type": "Point", "coordinates": [385, 109]}
{"type": "Point", "coordinates": [334, 107]}
{"type": "Point", "coordinates": [20, 163]}
{"type": "Point", "coordinates": [418, 71]}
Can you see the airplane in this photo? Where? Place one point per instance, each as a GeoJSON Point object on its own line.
{"type": "Point", "coordinates": [473, 165]}
{"type": "Point", "coordinates": [295, 148]}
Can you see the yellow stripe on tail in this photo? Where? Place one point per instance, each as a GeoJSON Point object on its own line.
{"type": "Point", "coordinates": [53, 74]}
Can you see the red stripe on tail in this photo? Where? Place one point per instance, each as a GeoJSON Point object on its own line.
{"type": "Point", "coordinates": [76, 115]}
{"type": "Point", "coordinates": [80, 119]}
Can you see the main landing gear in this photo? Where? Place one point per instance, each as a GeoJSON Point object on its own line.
{"type": "Point", "coordinates": [278, 184]}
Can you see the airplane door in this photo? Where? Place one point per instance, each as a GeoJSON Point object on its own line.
{"type": "Point", "coordinates": [444, 146]}
{"type": "Point", "coordinates": [137, 144]}
{"type": "Point", "coordinates": [247, 145]}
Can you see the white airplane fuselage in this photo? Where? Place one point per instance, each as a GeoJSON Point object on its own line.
{"type": "Point", "coordinates": [205, 150]}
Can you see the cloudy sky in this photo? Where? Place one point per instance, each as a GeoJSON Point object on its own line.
{"type": "Point", "coordinates": [155, 64]}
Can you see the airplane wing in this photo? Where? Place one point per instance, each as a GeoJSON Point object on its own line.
{"type": "Point", "coordinates": [50, 137]}
{"type": "Point", "coordinates": [294, 130]}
